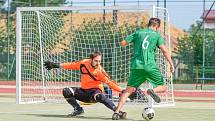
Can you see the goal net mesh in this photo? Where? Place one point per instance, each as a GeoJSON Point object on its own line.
{"type": "Point", "coordinates": [73, 33]}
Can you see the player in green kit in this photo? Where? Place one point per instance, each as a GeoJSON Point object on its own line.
{"type": "Point", "coordinates": [143, 65]}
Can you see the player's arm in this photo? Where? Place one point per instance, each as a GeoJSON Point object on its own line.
{"type": "Point", "coordinates": [128, 39]}
{"type": "Point", "coordinates": [112, 84]}
{"type": "Point", "coordinates": [123, 43]}
{"type": "Point", "coordinates": [167, 55]}
{"type": "Point", "coordinates": [104, 72]}
{"type": "Point", "coordinates": [70, 65]}
{"type": "Point", "coordinates": [50, 65]}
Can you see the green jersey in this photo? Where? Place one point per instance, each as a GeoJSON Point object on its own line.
{"type": "Point", "coordinates": [145, 42]}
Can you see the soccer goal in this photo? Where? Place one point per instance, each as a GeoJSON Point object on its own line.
{"type": "Point", "coordinates": [63, 34]}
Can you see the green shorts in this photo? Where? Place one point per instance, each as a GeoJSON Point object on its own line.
{"type": "Point", "coordinates": [139, 76]}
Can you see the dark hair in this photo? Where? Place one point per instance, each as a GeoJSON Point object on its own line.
{"type": "Point", "coordinates": [154, 22]}
{"type": "Point", "coordinates": [95, 54]}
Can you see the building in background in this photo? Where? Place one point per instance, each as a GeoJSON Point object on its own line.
{"type": "Point", "coordinates": [209, 17]}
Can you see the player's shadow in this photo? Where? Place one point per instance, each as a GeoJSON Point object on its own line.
{"type": "Point", "coordinates": [47, 115]}
{"type": "Point", "coordinates": [65, 116]}
{"type": "Point", "coordinates": [79, 117]}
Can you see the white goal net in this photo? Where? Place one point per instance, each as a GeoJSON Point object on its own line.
{"type": "Point", "coordinates": [64, 34]}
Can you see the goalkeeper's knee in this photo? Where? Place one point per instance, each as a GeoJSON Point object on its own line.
{"type": "Point", "coordinates": [68, 92]}
{"type": "Point", "coordinates": [100, 97]}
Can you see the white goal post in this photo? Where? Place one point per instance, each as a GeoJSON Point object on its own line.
{"type": "Point", "coordinates": [63, 34]}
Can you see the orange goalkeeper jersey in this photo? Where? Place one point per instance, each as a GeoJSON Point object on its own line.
{"type": "Point", "coordinates": [91, 77]}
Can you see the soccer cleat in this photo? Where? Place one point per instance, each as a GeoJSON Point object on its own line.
{"type": "Point", "coordinates": [122, 115]}
{"type": "Point", "coordinates": [138, 95]}
{"type": "Point", "coordinates": [154, 96]}
{"type": "Point", "coordinates": [116, 116]}
{"type": "Point", "coordinates": [76, 112]}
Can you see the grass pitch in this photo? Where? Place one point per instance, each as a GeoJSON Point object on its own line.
{"type": "Point", "coordinates": [183, 111]}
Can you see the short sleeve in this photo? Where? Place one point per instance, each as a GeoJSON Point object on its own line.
{"type": "Point", "coordinates": [130, 38]}
{"type": "Point", "coordinates": [160, 41]}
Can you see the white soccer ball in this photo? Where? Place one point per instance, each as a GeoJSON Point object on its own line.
{"type": "Point", "coordinates": [148, 113]}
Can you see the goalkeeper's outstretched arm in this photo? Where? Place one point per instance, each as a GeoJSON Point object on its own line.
{"type": "Point", "coordinates": [112, 84]}
{"type": "Point", "coordinates": [50, 65]}
{"type": "Point", "coordinates": [69, 65]}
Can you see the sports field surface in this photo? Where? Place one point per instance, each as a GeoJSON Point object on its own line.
{"type": "Point", "coordinates": [182, 111]}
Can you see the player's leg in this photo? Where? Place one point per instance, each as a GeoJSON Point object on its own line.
{"type": "Point", "coordinates": [138, 94]}
{"type": "Point", "coordinates": [135, 80]}
{"type": "Point", "coordinates": [128, 91]}
{"type": "Point", "coordinates": [99, 97]}
{"type": "Point", "coordinates": [156, 79]}
{"type": "Point", "coordinates": [154, 96]}
{"type": "Point", "coordinates": [69, 95]}
{"type": "Point", "coordinates": [160, 89]}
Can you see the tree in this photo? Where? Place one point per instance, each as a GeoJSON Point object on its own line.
{"type": "Point", "coordinates": [190, 50]}
{"type": "Point", "coordinates": [24, 3]}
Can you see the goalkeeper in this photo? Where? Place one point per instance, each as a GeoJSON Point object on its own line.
{"type": "Point", "coordinates": [91, 88]}
{"type": "Point", "coordinates": [143, 65]}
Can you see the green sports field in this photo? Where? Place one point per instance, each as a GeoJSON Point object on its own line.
{"type": "Point", "coordinates": [183, 111]}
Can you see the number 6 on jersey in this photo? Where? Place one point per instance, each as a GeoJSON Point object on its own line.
{"type": "Point", "coordinates": [145, 43]}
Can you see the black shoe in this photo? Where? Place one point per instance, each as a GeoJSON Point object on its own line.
{"type": "Point", "coordinates": [122, 115]}
{"type": "Point", "coordinates": [116, 116]}
{"type": "Point", "coordinates": [154, 96]}
{"type": "Point", "coordinates": [76, 112]}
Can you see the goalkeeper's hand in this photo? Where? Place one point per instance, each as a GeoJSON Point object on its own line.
{"type": "Point", "coordinates": [50, 65]}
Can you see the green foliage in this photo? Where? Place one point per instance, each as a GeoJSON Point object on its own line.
{"type": "Point", "coordinates": [7, 46]}
{"type": "Point", "coordinates": [38, 2]}
{"type": "Point", "coordinates": [34, 3]}
{"type": "Point", "coordinates": [191, 51]}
